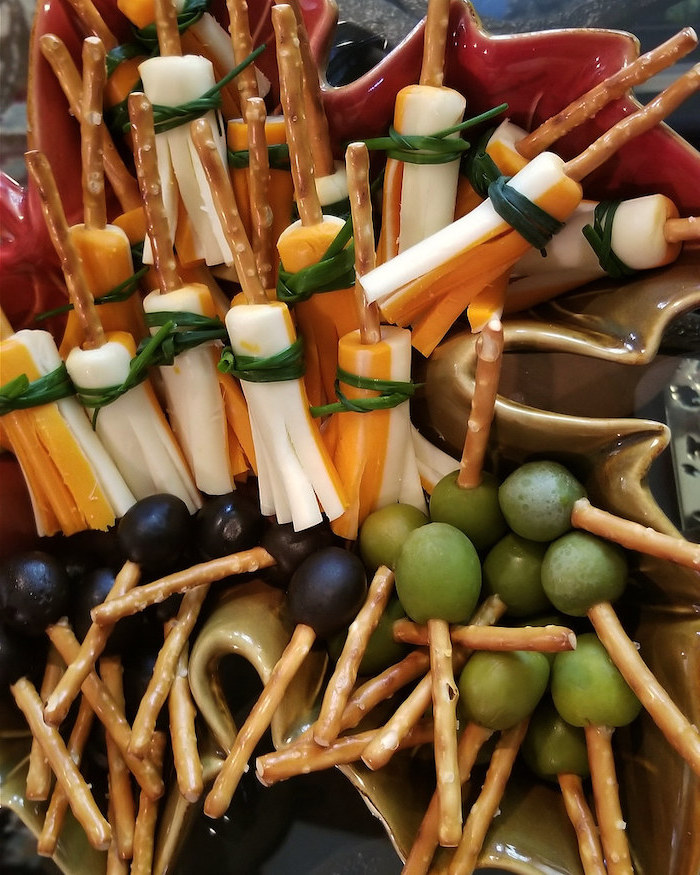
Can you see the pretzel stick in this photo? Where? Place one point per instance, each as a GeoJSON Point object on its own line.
{"type": "Point", "coordinates": [39, 774]}
{"type": "Point", "coordinates": [57, 226]}
{"type": "Point", "coordinates": [489, 350]}
{"type": "Point", "coordinates": [445, 696]}
{"type": "Point", "coordinates": [357, 164]}
{"type": "Point", "coordinates": [303, 757]}
{"type": "Point", "coordinates": [183, 737]}
{"type": "Point", "coordinates": [678, 731]}
{"type": "Point", "coordinates": [581, 818]}
{"type": "Point", "coordinates": [93, 23]}
{"type": "Point", "coordinates": [123, 183]}
{"type": "Point", "coordinates": [79, 796]}
{"type": "Point", "coordinates": [258, 720]}
{"type": "Point", "coordinates": [121, 797]}
{"type": "Point", "coordinates": [164, 671]}
{"type": "Point", "coordinates": [91, 126]}
{"type": "Point", "coordinates": [56, 812]}
{"type": "Point", "coordinates": [680, 230]}
{"type": "Point", "coordinates": [242, 44]}
{"type": "Point", "coordinates": [167, 28]}
{"type": "Point", "coordinates": [634, 125]}
{"type": "Point", "coordinates": [68, 687]}
{"type": "Point", "coordinates": [147, 817]}
{"type": "Point", "coordinates": [259, 191]}
{"type": "Point", "coordinates": [316, 120]}
{"type": "Point", "coordinates": [146, 159]}
{"type": "Point", "coordinates": [634, 536]}
{"type": "Point", "coordinates": [380, 750]}
{"type": "Point", "coordinates": [426, 842]}
{"type": "Point", "coordinates": [607, 800]}
{"type": "Point", "coordinates": [330, 718]}
{"type": "Point", "coordinates": [227, 210]}
{"type": "Point", "coordinates": [615, 86]}
{"type": "Point", "coordinates": [434, 40]}
{"type": "Point", "coordinates": [107, 711]}
{"type": "Point", "coordinates": [483, 810]}
{"type": "Point", "coordinates": [545, 639]}
{"type": "Point", "coordinates": [292, 96]}
{"type": "Point", "coordinates": [181, 581]}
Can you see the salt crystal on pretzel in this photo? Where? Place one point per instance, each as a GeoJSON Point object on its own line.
{"type": "Point", "coordinates": [581, 818]}
{"type": "Point", "coordinates": [56, 811]}
{"type": "Point", "coordinates": [330, 718]}
{"type": "Point", "coordinates": [39, 775]}
{"type": "Point", "coordinates": [164, 671]}
{"type": "Point", "coordinates": [66, 690]}
{"type": "Point", "coordinates": [426, 841]}
{"type": "Point", "coordinates": [107, 711]}
{"type": "Point", "coordinates": [545, 639]}
{"type": "Point", "coordinates": [67, 774]}
{"type": "Point", "coordinates": [484, 809]}
{"type": "Point", "coordinates": [122, 811]}
{"type": "Point", "coordinates": [303, 757]}
{"type": "Point", "coordinates": [183, 736]}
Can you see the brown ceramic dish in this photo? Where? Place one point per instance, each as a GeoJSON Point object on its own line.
{"type": "Point", "coordinates": [611, 326]}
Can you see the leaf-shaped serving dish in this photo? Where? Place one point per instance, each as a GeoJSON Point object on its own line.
{"type": "Point", "coordinates": [615, 326]}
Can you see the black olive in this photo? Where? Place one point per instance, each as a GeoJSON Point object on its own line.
{"type": "Point", "coordinates": [34, 592]}
{"type": "Point", "coordinates": [327, 590]}
{"type": "Point", "coordinates": [290, 549]}
{"type": "Point", "coordinates": [92, 590]}
{"type": "Point", "coordinates": [86, 550]}
{"type": "Point", "coordinates": [156, 531]}
{"type": "Point", "coordinates": [227, 524]}
{"type": "Point", "coordinates": [17, 656]}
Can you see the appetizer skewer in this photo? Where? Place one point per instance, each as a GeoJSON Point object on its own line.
{"type": "Point", "coordinates": [425, 284]}
{"type": "Point", "coordinates": [295, 472]}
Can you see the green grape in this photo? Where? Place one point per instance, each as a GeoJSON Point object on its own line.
{"type": "Point", "coordinates": [554, 747]}
{"type": "Point", "coordinates": [512, 570]}
{"type": "Point", "coordinates": [382, 650]}
{"type": "Point", "coordinates": [438, 574]}
{"type": "Point", "coordinates": [383, 532]}
{"type": "Point", "coordinates": [474, 511]}
{"type": "Point", "coordinates": [580, 570]}
{"type": "Point", "coordinates": [498, 690]}
{"type": "Point", "coordinates": [537, 499]}
{"type": "Point", "coordinates": [587, 687]}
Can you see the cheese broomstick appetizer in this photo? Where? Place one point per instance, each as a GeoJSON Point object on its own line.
{"type": "Point", "coordinates": [431, 284]}
{"type": "Point", "coordinates": [104, 250]}
{"type": "Point", "coordinates": [326, 315]}
{"type": "Point", "coordinates": [171, 80]}
{"type": "Point", "coordinates": [419, 199]}
{"type": "Point", "coordinates": [72, 481]}
{"type": "Point", "coordinates": [611, 238]}
{"type": "Point", "coordinates": [280, 190]}
{"type": "Point", "coordinates": [127, 417]}
{"type": "Point", "coordinates": [510, 147]}
{"type": "Point", "coordinates": [192, 387]}
{"type": "Point", "coordinates": [329, 176]}
{"type": "Point", "coordinates": [295, 471]}
{"type": "Point", "coordinates": [371, 441]}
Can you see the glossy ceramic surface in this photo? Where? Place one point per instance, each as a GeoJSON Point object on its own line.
{"type": "Point", "coordinates": [621, 325]}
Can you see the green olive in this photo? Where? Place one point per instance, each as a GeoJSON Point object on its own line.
{"type": "Point", "coordinates": [382, 650]}
{"type": "Point", "coordinates": [512, 570]}
{"type": "Point", "coordinates": [438, 574]}
{"type": "Point", "coordinates": [474, 511]}
{"type": "Point", "coordinates": [587, 688]}
{"type": "Point", "coordinates": [554, 747]}
{"type": "Point", "coordinates": [383, 532]}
